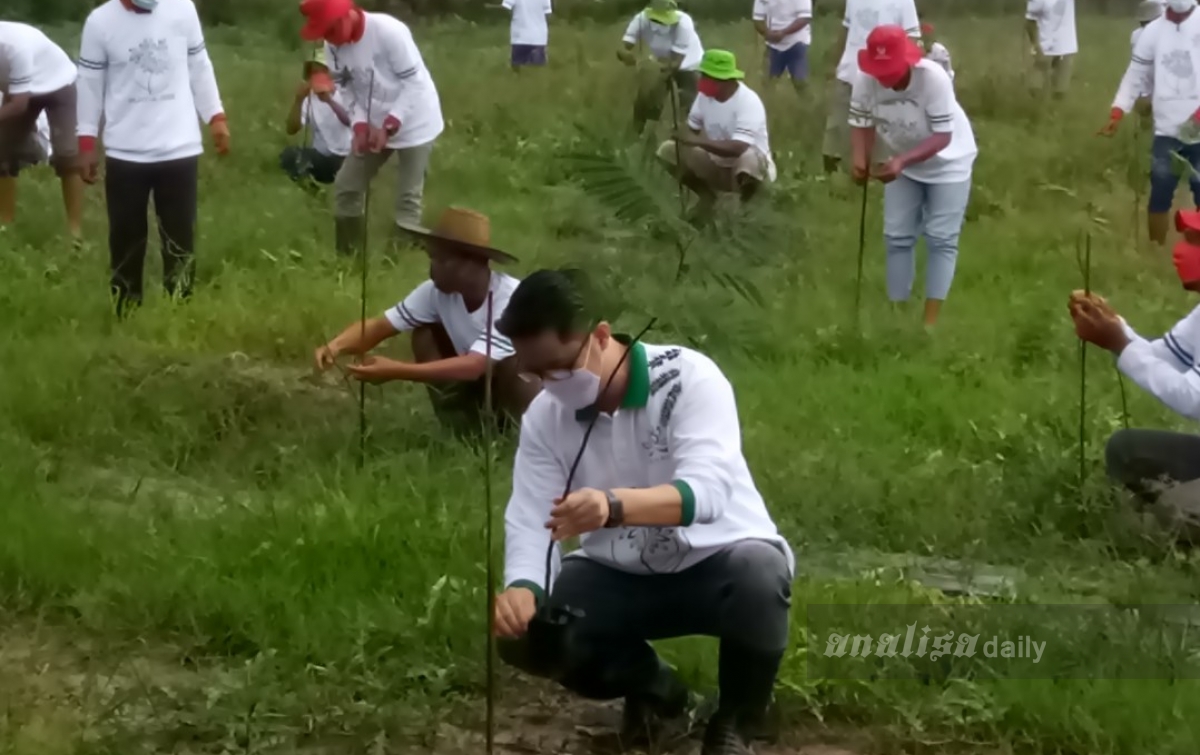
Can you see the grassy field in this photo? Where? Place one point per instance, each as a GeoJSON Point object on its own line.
{"type": "Point", "coordinates": [191, 562]}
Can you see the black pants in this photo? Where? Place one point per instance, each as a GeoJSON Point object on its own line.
{"type": "Point", "coordinates": [1144, 461]}
{"type": "Point", "coordinates": [128, 188]}
{"type": "Point", "coordinates": [741, 595]}
{"type": "Point", "coordinates": [306, 162]}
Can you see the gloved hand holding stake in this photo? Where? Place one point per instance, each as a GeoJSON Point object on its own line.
{"type": "Point", "coordinates": [219, 128]}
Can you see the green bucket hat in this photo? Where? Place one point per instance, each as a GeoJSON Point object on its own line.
{"type": "Point", "coordinates": [665, 12]}
{"type": "Point", "coordinates": [316, 58]}
{"type": "Point", "coordinates": [720, 65]}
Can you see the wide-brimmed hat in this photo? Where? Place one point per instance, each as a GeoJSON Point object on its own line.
{"type": "Point", "coordinates": [720, 65]}
{"type": "Point", "coordinates": [889, 53]}
{"type": "Point", "coordinates": [1148, 10]}
{"type": "Point", "coordinates": [321, 15]}
{"type": "Point", "coordinates": [466, 230]}
{"type": "Point", "coordinates": [665, 12]}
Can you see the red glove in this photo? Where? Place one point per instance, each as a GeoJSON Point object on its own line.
{"type": "Point", "coordinates": [362, 138]}
{"type": "Point", "coordinates": [219, 128]}
{"type": "Point", "coordinates": [1114, 120]}
{"type": "Point", "coordinates": [89, 163]}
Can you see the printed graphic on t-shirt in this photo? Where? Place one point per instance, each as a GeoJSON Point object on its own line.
{"type": "Point", "coordinates": [661, 550]}
{"type": "Point", "coordinates": [1180, 83]}
{"type": "Point", "coordinates": [151, 60]}
{"type": "Point", "coordinates": [903, 122]}
{"type": "Point", "coordinates": [866, 18]}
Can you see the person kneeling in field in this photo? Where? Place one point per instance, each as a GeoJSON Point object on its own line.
{"type": "Point", "coordinates": [910, 101]}
{"type": "Point", "coordinates": [1162, 66]}
{"type": "Point", "coordinates": [37, 78]}
{"type": "Point", "coordinates": [319, 105]}
{"type": "Point", "coordinates": [1149, 462]}
{"type": "Point", "coordinates": [675, 538]}
{"type": "Point", "coordinates": [671, 36]}
{"type": "Point", "coordinates": [727, 148]}
{"type": "Point", "coordinates": [448, 318]}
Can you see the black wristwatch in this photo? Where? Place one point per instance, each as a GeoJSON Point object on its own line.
{"type": "Point", "coordinates": [616, 511]}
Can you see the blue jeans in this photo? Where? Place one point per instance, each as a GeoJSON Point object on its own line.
{"type": "Point", "coordinates": [793, 61]}
{"type": "Point", "coordinates": [1164, 179]}
{"type": "Point", "coordinates": [910, 209]}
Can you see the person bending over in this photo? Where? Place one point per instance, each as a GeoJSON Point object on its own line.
{"type": "Point", "coordinates": [675, 539]}
{"type": "Point", "coordinates": [318, 105]}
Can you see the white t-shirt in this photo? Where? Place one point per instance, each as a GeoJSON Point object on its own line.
{"type": "Point", "coordinates": [30, 63]}
{"type": "Point", "coordinates": [905, 119]}
{"type": "Point", "coordinates": [386, 65]}
{"type": "Point", "coordinates": [1166, 368]}
{"type": "Point", "coordinates": [680, 39]}
{"type": "Point", "coordinates": [677, 425]}
{"type": "Point", "coordinates": [529, 22]}
{"type": "Point", "coordinates": [1056, 25]}
{"type": "Point", "coordinates": [146, 77]}
{"type": "Point", "coordinates": [862, 16]}
{"type": "Point", "coordinates": [740, 118]}
{"type": "Point", "coordinates": [329, 135]}
{"type": "Point", "coordinates": [780, 14]}
{"type": "Point", "coordinates": [1165, 65]}
{"type": "Point", "coordinates": [426, 305]}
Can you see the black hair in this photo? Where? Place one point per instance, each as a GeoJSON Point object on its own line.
{"type": "Point", "coordinates": [549, 300]}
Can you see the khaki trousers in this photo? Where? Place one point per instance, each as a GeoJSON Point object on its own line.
{"type": "Point", "coordinates": [719, 178]}
{"type": "Point", "coordinates": [1053, 72]}
{"type": "Point", "coordinates": [837, 121]}
{"type": "Point", "coordinates": [357, 172]}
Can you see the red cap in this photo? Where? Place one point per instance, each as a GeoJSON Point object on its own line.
{"type": "Point", "coordinates": [889, 54]}
{"type": "Point", "coordinates": [1187, 220]}
{"type": "Point", "coordinates": [321, 15]}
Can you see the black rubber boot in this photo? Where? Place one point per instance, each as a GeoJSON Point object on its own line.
{"type": "Point", "coordinates": [348, 235]}
{"type": "Point", "coordinates": [659, 714]}
{"type": "Point", "coordinates": [747, 683]}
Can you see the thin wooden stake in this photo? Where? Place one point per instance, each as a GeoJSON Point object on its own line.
{"type": "Point", "coordinates": [1085, 263]}
{"type": "Point", "coordinates": [366, 224]}
{"type": "Point", "coordinates": [862, 245]}
{"type": "Point", "coordinates": [489, 418]}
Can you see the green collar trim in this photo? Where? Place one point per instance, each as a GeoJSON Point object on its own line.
{"type": "Point", "coordinates": [637, 393]}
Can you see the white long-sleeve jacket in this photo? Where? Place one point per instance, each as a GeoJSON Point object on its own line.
{"type": "Point", "coordinates": [678, 425]}
{"type": "Point", "coordinates": [1166, 367]}
{"type": "Point", "coordinates": [383, 74]}
{"type": "Point", "coordinates": [148, 76]}
{"type": "Point", "coordinates": [1166, 64]}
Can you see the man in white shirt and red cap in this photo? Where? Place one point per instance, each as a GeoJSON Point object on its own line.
{"type": "Point", "coordinates": [1149, 462]}
{"type": "Point", "coordinates": [1163, 64]}
{"type": "Point", "coordinates": [394, 108]}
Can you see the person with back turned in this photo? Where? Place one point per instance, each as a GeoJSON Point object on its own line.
{"type": "Point", "coordinates": [675, 537]}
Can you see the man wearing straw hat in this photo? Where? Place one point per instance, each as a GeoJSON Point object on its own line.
{"type": "Point", "coordinates": [394, 109]}
{"type": "Point", "coordinates": [320, 106]}
{"type": "Point", "coordinates": [726, 148]}
{"type": "Point", "coordinates": [448, 316]}
{"type": "Point", "coordinates": [675, 48]}
{"type": "Point", "coordinates": [1160, 467]}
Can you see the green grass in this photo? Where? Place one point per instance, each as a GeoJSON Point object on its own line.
{"type": "Point", "coordinates": [174, 491]}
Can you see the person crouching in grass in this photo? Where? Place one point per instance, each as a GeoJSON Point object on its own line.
{"type": "Point", "coordinates": [319, 106]}
{"type": "Point", "coordinates": [145, 74]}
{"type": "Point", "coordinates": [909, 102]}
{"type": "Point", "coordinates": [448, 318]}
{"type": "Point", "coordinates": [1148, 463]}
{"type": "Point", "coordinates": [726, 148]}
{"type": "Point", "coordinates": [675, 538]}
{"type": "Point", "coordinates": [37, 78]}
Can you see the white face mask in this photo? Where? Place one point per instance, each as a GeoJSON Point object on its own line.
{"type": "Point", "coordinates": [1181, 6]}
{"type": "Point", "coordinates": [575, 389]}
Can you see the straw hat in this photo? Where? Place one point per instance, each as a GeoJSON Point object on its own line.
{"type": "Point", "coordinates": [466, 230]}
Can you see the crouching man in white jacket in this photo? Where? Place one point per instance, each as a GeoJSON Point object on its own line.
{"type": "Point", "coordinates": [1148, 462]}
{"type": "Point", "coordinates": [675, 538]}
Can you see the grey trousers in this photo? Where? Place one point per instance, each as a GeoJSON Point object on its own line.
{"type": "Point", "coordinates": [741, 595]}
{"type": "Point", "coordinates": [357, 172]}
{"type": "Point", "coordinates": [1143, 461]}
